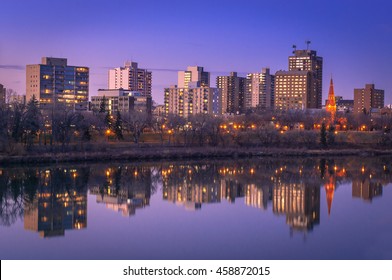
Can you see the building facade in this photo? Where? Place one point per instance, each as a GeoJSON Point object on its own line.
{"type": "Point", "coordinates": [252, 94]}
{"type": "Point", "coordinates": [193, 74]}
{"type": "Point", "coordinates": [233, 90]}
{"type": "Point", "coordinates": [292, 90]}
{"type": "Point", "coordinates": [56, 84]}
{"type": "Point", "coordinates": [193, 94]}
{"type": "Point", "coordinates": [131, 77]}
{"type": "Point", "coordinates": [2, 95]}
{"type": "Point", "coordinates": [368, 98]}
{"type": "Point", "coordinates": [260, 90]}
{"type": "Point", "coordinates": [121, 100]}
{"type": "Point", "coordinates": [344, 105]}
{"type": "Point", "coordinates": [307, 60]}
{"type": "Point", "coordinates": [193, 100]}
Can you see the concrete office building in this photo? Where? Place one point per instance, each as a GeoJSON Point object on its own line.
{"type": "Point", "coordinates": [121, 100]}
{"type": "Point", "coordinates": [193, 74]}
{"type": "Point", "coordinates": [293, 90]}
{"type": "Point", "coordinates": [368, 98]}
{"type": "Point", "coordinates": [260, 90]}
{"type": "Point", "coordinates": [53, 82]}
{"type": "Point", "coordinates": [232, 90]}
{"type": "Point", "coordinates": [130, 77]}
{"type": "Point", "coordinates": [307, 60]}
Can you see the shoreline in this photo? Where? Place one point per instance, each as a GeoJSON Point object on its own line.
{"type": "Point", "coordinates": [181, 153]}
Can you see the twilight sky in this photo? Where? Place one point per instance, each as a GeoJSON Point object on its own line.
{"type": "Point", "coordinates": [354, 38]}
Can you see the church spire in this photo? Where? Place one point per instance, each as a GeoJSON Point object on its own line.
{"type": "Point", "coordinates": [331, 103]}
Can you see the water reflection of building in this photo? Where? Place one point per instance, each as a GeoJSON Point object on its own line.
{"type": "Point", "coordinates": [57, 208]}
{"type": "Point", "coordinates": [191, 186]}
{"type": "Point", "coordinates": [123, 189]}
{"type": "Point", "coordinates": [231, 189]}
{"type": "Point", "coordinates": [300, 203]}
{"type": "Point", "coordinates": [330, 192]}
{"type": "Point", "coordinates": [257, 196]}
{"type": "Point", "coordinates": [366, 189]}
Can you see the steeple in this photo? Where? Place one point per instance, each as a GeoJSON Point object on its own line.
{"type": "Point", "coordinates": [330, 190]}
{"type": "Point", "coordinates": [331, 104]}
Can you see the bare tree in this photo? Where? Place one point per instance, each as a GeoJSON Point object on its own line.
{"type": "Point", "coordinates": [199, 123]}
{"type": "Point", "coordinates": [135, 122]}
{"type": "Point", "coordinates": [213, 130]}
{"type": "Point", "coordinates": [65, 123]}
{"type": "Point", "coordinates": [159, 126]}
{"type": "Point", "coordinates": [176, 125]}
{"type": "Point", "coordinates": [4, 124]}
{"type": "Point", "coordinates": [11, 96]}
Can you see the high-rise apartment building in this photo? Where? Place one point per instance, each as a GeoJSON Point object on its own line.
{"type": "Point", "coordinates": [193, 100]}
{"type": "Point", "coordinates": [2, 95]}
{"type": "Point", "coordinates": [307, 60]}
{"type": "Point", "coordinates": [292, 90]}
{"type": "Point", "coordinates": [260, 90]}
{"type": "Point", "coordinates": [130, 77]}
{"type": "Point", "coordinates": [53, 82]}
{"type": "Point", "coordinates": [233, 90]}
{"type": "Point", "coordinates": [252, 94]}
{"type": "Point", "coordinates": [193, 94]}
{"type": "Point", "coordinates": [368, 98]}
{"type": "Point", "coordinates": [193, 74]}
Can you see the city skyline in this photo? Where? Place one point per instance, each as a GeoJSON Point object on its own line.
{"type": "Point", "coordinates": [348, 41]}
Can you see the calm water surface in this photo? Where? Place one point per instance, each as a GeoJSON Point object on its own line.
{"type": "Point", "coordinates": [236, 209]}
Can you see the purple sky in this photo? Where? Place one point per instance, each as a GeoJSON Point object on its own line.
{"type": "Point", "coordinates": [353, 37]}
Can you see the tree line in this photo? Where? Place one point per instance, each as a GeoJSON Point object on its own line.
{"type": "Point", "coordinates": [25, 128]}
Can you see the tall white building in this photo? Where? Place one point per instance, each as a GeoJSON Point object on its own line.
{"type": "Point", "coordinates": [193, 94]}
{"type": "Point", "coordinates": [193, 74]}
{"type": "Point", "coordinates": [260, 90]}
{"type": "Point", "coordinates": [130, 77]}
{"type": "Point", "coordinates": [252, 94]}
{"type": "Point", "coordinates": [193, 100]}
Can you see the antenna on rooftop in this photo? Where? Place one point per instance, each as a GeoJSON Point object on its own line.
{"type": "Point", "coordinates": [307, 45]}
{"type": "Point", "coordinates": [294, 48]}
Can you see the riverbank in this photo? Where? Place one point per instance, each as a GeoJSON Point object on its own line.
{"type": "Point", "coordinates": [173, 153]}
